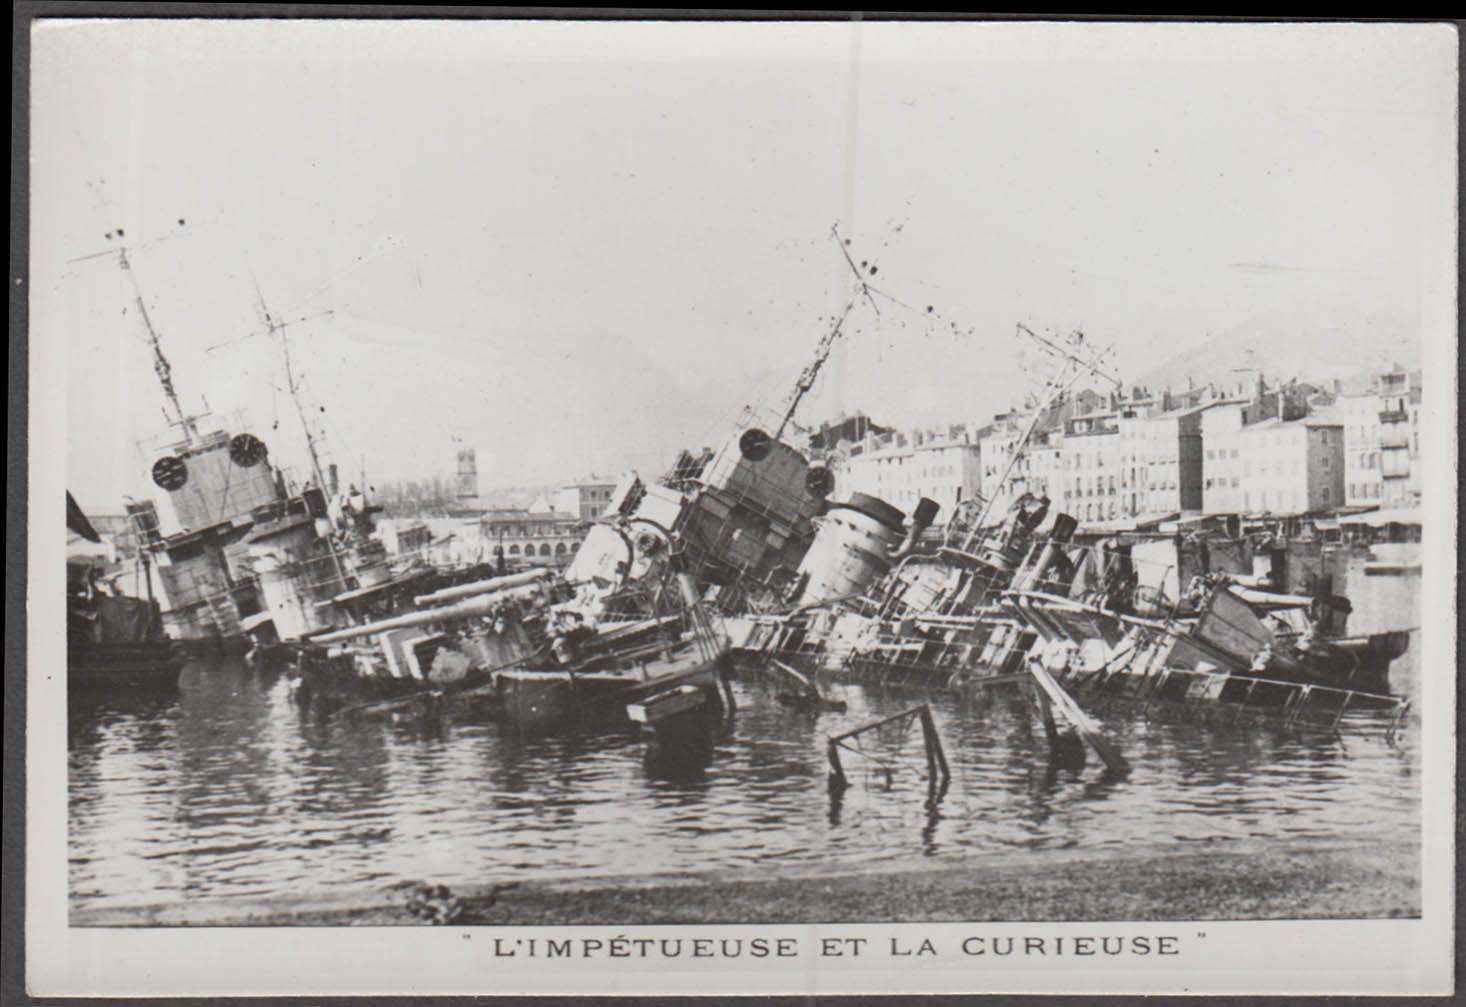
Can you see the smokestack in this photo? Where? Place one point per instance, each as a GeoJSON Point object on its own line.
{"type": "Point", "coordinates": [921, 520]}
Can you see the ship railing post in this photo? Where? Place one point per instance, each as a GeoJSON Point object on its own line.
{"type": "Point", "coordinates": [936, 758]}
{"type": "Point", "coordinates": [1300, 700]}
{"type": "Point", "coordinates": [1246, 697]}
{"type": "Point", "coordinates": [837, 772]}
{"type": "Point", "coordinates": [1392, 734]}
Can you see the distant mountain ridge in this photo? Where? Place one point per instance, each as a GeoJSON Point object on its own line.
{"type": "Point", "coordinates": [1321, 347]}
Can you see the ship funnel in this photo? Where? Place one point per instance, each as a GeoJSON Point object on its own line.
{"type": "Point", "coordinates": [1064, 528]}
{"type": "Point", "coordinates": [1032, 576]}
{"type": "Point", "coordinates": [851, 549]}
{"type": "Point", "coordinates": [921, 520]}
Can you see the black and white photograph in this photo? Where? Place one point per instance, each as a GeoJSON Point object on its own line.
{"type": "Point", "coordinates": [801, 505]}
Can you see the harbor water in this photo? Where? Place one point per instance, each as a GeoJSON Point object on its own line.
{"type": "Point", "coordinates": [231, 789]}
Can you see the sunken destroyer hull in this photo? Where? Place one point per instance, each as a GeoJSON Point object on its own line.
{"type": "Point", "coordinates": [851, 590]}
{"type": "Point", "coordinates": [747, 537]}
{"type": "Point", "coordinates": [637, 620]}
{"type": "Point", "coordinates": [1028, 596]}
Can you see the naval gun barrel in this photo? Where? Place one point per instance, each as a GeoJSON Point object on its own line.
{"type": "Point", "coordinates": [484, 586]}
{"type": "Point", "coordinates": [481, 604]}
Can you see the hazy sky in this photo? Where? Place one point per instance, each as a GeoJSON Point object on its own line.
{"type": "Point", "coordinates": [582, 246]}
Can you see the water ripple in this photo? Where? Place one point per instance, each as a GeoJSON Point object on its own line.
{"type": "Point", "coordinates": [228, 792]}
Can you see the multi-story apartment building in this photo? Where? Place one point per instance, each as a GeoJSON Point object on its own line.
{"type": "Point", "coordinates": [1399, 438]}
{"type": "Point", "coordinates": [1382, 440]}
{"type": "Point", "coordinates": [588, 499]}
{"type": "Point", "coordinates": [1039, 469]}
{"type": "Point", "coordinates": [1359, 413]}
{"type": "Point", "coordinates": [902, 467]}
{"type": "Point", "coordinates": [1132, 432]}
{"type": "Point", "coordinates": [1237, 448]}
{"type": "Point", "coordinates": [1044, 471]}
{"type": "Point", "coordinates": [1091, 484]}
{"type": "Point", "coordinates": [1221, 463]}
{"type": "Point", "coordinates": [1292, 466]}
{"type": "Point", "coordinates": [1166, 447]}
{"type": "Point", "coordinates": [1003, 479]}
{"type": "Point", "coordinates": [543, 538]}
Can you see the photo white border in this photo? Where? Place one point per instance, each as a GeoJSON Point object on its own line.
{"type": "Point", "coordinates": [1310, 957]}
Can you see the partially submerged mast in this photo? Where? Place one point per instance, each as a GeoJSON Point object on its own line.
{"type": "Point", "coordinates": [277, 331]}
{"type": "Point", "coordinates": [826, 343]}
{"type": "Point", "coordinates": [1079, 367]}
{"type": "Point", "coordinates": [161, 366]}
{"type": "Point", "coordinates": [292, 385]}
{"type": "Point", "coordinates": [812, 370]}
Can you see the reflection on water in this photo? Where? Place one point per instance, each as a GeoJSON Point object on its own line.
{"type": "Point", "coordinates": [228, 789]}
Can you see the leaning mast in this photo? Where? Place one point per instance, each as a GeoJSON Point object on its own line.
{"type": "Point", "coordinates": [277, 331]}
{"type": "Point", "coordinates": [161, 366]}
{"type": "Point", "coordinates": [827, 342]}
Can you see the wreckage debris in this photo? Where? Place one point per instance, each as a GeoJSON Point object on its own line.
{"type": "Point", "coordinates": [805, 694]}
{"type": "Point", "coordinates": [938, 774]}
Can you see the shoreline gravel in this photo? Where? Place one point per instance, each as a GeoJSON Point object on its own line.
{"type": "Point", "coordinates": [1314, 879]}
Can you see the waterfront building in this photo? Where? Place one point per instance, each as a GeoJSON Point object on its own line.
{"type": "Point", "coordinates": [1360, 412]}
{"type": "Point", "coordinates": [1001, 478]}
{"type": "Point", "coordinates": [1136, 456]}
{"type": "Point", "coordinates": [1167, 449]}
{"type": "Point", "coordinates": [902, 467]}
{"type": "Point", "coordinates": [587, 499]}
{"type": "Point", "coordinates": [845, 430]}
{"type": "Point", "coordinates": [1221, 463]}
{"type": "Point", "coordinates": [1292, 466]}
{"type": "Point", "coordinates": [1040, 468]}
{"type": "Point", "coordinates": [1133, 434]}
{"type": "Point", "coordinates": [1381, 420]}
{"type": "Point", "coordinates": [528, 538]}
{"type": "Point", "coordinates": [432, 540]}
{"type": "Point", "coordinates": [1399, 438]}
{"type": "Point", "coordinates": [1090, 485]}
{"type": "Point", "coordinates": [1045, 461]}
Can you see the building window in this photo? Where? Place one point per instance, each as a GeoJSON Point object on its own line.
{"type": "Point", "coordinates": [545, 549]}
{"type": "Point", "coordinates": [514, 550]}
